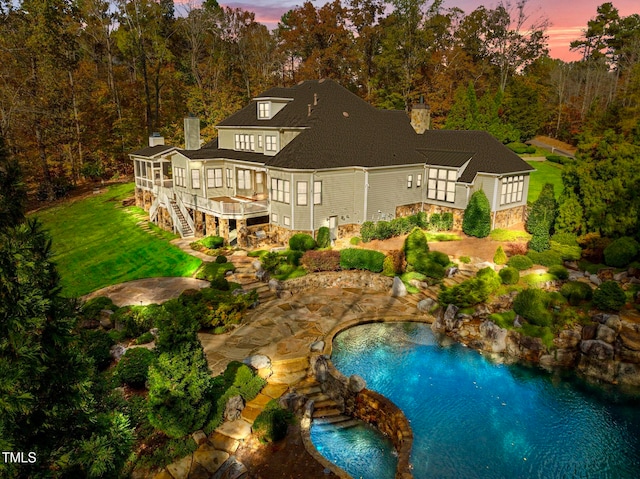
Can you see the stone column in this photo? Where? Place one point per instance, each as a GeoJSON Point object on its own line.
{"type": "Point", "coordinates": [199, 223]}
{"type": "Point", "coordinates": [139, 197]}
{"type": "Point", "coordinates": [223, 230]}
{"type": "Point", "coordinates": [243, 233]}
{"type": "Point", "coordinates": [210, 225]}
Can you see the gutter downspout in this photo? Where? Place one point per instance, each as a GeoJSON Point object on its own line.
{"type": "Point", "coordinates": [311, 196]}
{"type": "Point", "coordinates": [292, 198]}
{"type": "Point", "coordinates": [366, 194]}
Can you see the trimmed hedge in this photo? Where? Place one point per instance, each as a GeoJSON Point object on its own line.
{"type": "Point", "coordinates": [567, 239]}
{"type": "Point", "coordinates": [428, 267]}
{"type": "Point", "coordinates": [324, 237]}
{"type": "Point", "coordinates": [520, 262]}
{"type": "Point", "coordinates": [609, 296]}
{"type": "Point", "coordinates": [133, 368]}
{"type": "Point", "coordinates": [272, 424]}
{"type": "Point", "coordinates": [302, 242]}
{"type": "Point", "coordinates": [566, 252]}
{"type": "Point", "coordinates": [368, 231]}
{"type": "Point", "coordinates": [321, 260]}
{"type": "Point", "coordinates": [509, 275]}
{"type": "Point", "coordinates": [366, 259]}
{"type": "Point", "coordinates": [576, 291]}
{"type": "Point", "coordinates": [415, 245]}
{"type": "Point", "coordinates": [439, 257]}
{"type": "Point", "coordinates": [472, 291]}
{"type": "Point", "coordinates": [212, 242]}
{"type": "Point", "coordinates": [477, 216]}
{"type": "Point", "coordinates": [621, 252]}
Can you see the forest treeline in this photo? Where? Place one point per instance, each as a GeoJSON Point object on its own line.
{"type": "Point", "coordinates": [84, 82]}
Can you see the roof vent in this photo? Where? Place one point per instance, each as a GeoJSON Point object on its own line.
{"type": "Point", "coordinates": [345, 114]}
{"type": "Point", "coordinates": [321, 80]}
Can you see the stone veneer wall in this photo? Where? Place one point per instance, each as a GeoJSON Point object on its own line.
{"type": "Point", "coordinates": [377, 410]}
{"type": "Point", "coordinates": [509, 217]}
{"type": "Point", "coordinates": [339, 279]}
{"type": "Point", "coordinates": [457, 214]}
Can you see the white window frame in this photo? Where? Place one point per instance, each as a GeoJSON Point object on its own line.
{"type": "Point", "coordinates": [511, 189]}
{"type": "Point", "coordinates": [317, 192]}
{"type": "Point", "coordinates": [229, 173]}
{"type": "Point", "coordinates": [270, 143]}
{"type": "Point", "coordinates": [244, 179]}
{"type": "Point", "coordinates": [260, 141]}
{"type": "Point", "coordinates": [302, 193]}
{"type": "Point", "coordinates": [419, 180]}
{"type": "Point", "coordinates": [286, 221]}
{"type": "Point", "coordinates": [264, 110]}
{"type": "Point", "coordinates": [280, 191]}
{"type": "Point", "coordinates": [179, 177]}
{"type": "Point", "coordinates": [441, 185]}
{"type": "Point", "coordinates": [195, 179]}
{"type": "Point", "coordinates": [409, 181]}
{"type": "Point", "coordinates": [214, 177]}
{"type": "Point", "coordinates": [274, 217]}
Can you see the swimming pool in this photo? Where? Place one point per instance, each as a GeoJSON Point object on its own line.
{"type": "Point", "coordinates": [473, 418]}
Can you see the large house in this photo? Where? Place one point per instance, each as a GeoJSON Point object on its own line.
{"type": "Point", "coordinates": [296, 159]}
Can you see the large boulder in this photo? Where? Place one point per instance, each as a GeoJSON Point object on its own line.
{"type": "Point", "coordinates": [356, 383]}
{"type": "Point", "coordinates": [629, 374]}
{"type": "Point", "coordinates": [450, 319]}
{"type": "Point", "coordinates": [495, 337]}
{"type": "Point", "coordinates": [597, 369]}
{"type": "Point", "coordinates": [567, 339]}
{"type": "Point", "coordinates": [258, 361]}
{"type": "Point", "coordinates": [117, 351]}
{"type": "Point", "coordinates": [426, 305]}
{"type": "Point", "coordinates": [293, 401]}
{"type": "Point", "coordinates": [234, 407]}
{"type": "Point", "coordinates": [398, 289]}
{"type": "Point", "coordinates": [630, 335]}
{"type": "Point", "coordinates": [597, 349]}
{"type": "Point", "coordinates": [606, 334]}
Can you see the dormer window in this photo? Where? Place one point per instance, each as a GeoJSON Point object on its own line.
{"type": "Point", "coordinates": [264, 110]}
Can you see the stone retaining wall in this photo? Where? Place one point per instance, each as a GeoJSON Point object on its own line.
{"type": "Point", "coordinates": [339, 279]}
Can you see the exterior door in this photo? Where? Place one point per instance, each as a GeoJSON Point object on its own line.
{"type": "Point", "coordinates": [333, 228]}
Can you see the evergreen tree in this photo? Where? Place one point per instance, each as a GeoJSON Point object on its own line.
{"type": "Point", "coordinates": [477, 216]}
{"type": "Point", "coordinates": [541, 218]}
{"type": "Point", "coordinates": [12, 191]}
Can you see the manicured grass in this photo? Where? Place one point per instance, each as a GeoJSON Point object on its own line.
{"type": "Point", "coordinates": [509, 235]}
{"type": "Point", "coordinates": [96, 243]}
{"type": "Point", "coordinates": [546, 172]}
{"type": "Point", "coordinates": [431, 237]}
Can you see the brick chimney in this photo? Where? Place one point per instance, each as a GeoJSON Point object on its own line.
{"type": "Point", "coordinates": [420, 116]}
{"type": "Point", "coordinates": [155, 139]}
{"type": "Point", "coordinates": [191, 133]}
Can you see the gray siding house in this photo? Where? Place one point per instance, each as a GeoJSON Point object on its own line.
{"type": "Point", "coordinates": [296, 159]}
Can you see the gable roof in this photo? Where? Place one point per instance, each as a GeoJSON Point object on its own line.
{"type": "Point", "coordinates": [341, 130]}
{"type": "Point", "coordinates": [151, 151]}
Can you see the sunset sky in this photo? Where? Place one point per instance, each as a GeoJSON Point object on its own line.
{"type": "Point", "coordinates": [568, 17]}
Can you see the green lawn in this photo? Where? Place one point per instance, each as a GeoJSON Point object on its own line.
{"type": "Point", "coordinates": [96, 243]}
{"type": "Point", "coordinates": [546, 172]}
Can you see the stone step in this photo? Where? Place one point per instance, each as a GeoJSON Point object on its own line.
{"type": "Point", "coordinates": [287, 377]}
{"type": "Point", "coordinates": [318, 397]}
{"type": "Point", "coordinates": [309, 390]}
{"type": "Point", "coordinates": [266, 296]}
{"type": "Point", "coordinates": [326, 412]}
{"type": "Point", "coordinates": [332, 419]}
{"type": "Point", "coordinates": [325, 404]}
{"type": "Point", "coordinates": [340, 424]}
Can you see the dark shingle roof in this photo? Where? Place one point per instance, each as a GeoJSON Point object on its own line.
{"type": "Point", "coordinates": [150, 151]}
{"type": "Point", "coordinates": [345, 131]}
{"type": "Point", "coordinates": [489, 155]}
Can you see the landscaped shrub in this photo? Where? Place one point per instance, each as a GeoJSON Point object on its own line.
{"type": "Point", "coordinates": [321, 260]}
{"type": "Point", "coordinates": [570, 217]}
{"type": "Point", "coordinates": [220, 284]}
{"type": "Point", "coordinates": [428, 267]}
{"type": "Point", "coordinates": [520, 262]}
{"type": "Point", "coordinates": [271, 424]}
{"type": "Point", "coordinates": [576, 291]}
{"type": "Point", "coordinates": [567, 239]}
{"type": "Point", "coordinates": [271, 261]}
{"type": "Point", "coordinates": [465, 259]}
{"type": "Point", "coordinates": [401, 225]}
{"type": "Point", "coordinates": [471, 291]}
{"type": "Point", "coordinates": [509, 275]}
{"type": "Point", "coordinates": [212, 242]}
{"type": "Point", "coordinates": [145, 338]}
{"type": "Point", "coordinates": [324, 237]}
{"type": "Point", "coordinates": [539, 242]}
{"type": "Point", "coordinates": [435, 222]}
{"type": "Point", "coordinates": [415, 245]}
{"type": "Point", "coordinates": [368, 231]}
{"type": "Point", "coordinates": [621, 252]}
{"type": "Point", "coordinates": [383, 230]}
{"type": "Point", "coordinates": [293, 257]}
{"type": "Point", "coordinates": [302, 242]}
{"type": "Point", "coordinates": [178, 323]}
{"type": "Point", "coordinates": [500, 257]}
{"type": "Point", "coordinates": [556, 159]}
{"type": "Point", "coordinates": [447, 221]}
{"type": "Point", "coordinates": [566, 252]}
{"type": "Point", "coordinates": [521, 148]}
{"type": "Point", "coordinates": [546, 258]}
{"type": "Point", "coordinates": [532, 305]}
{"type": "Point", "coordinates": [180, 390]}
{"type": "Point", "coordinates": [514, 249]}
{"type": "Point", "coordinates": [353, 258]}
{"type": "Point", "coordinates": [220, 259]}
{"type": "Point", "coordinates": [91, 309]}
{"type": "Point", "coordinates": [477, 216]}
{"type": "Point", "coordinates": [609, 296]}
{"type": "Point", "coordinates": [439, 257]}
{"type": "Point", "coordinates": [135, 320]}
{"type": "Point", "coordinates": [241, 377]}
{"type": "Point", "coordinates": [593, 246]}
{"type": "Point", "coordinates": [393, 263]}
{"type": "Point", "coordinates": [559, 272]}
{"type": "Point", "coordinates": [211, 271]}
{"type": "Point", "coordinates": [419, 220]}
{"type": "Point", "coordinates": [133, 368]}
{"type": "Point", "coordinates": [97, 344]}
{"type": "Point", "coordinates": [355, 241]}
{"type": "Point", "coordinates": [542, 215]}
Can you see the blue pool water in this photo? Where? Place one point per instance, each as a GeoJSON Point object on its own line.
{"type": "Point", "coordinates": [472, 418]}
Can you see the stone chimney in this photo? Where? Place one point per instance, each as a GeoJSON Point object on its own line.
{"type": "Point", "coordinates": [420, 116]}
{"type": "Point", "coordinates": [191, 133]}
{"type": "Point", "coordinates": [155, 139]}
